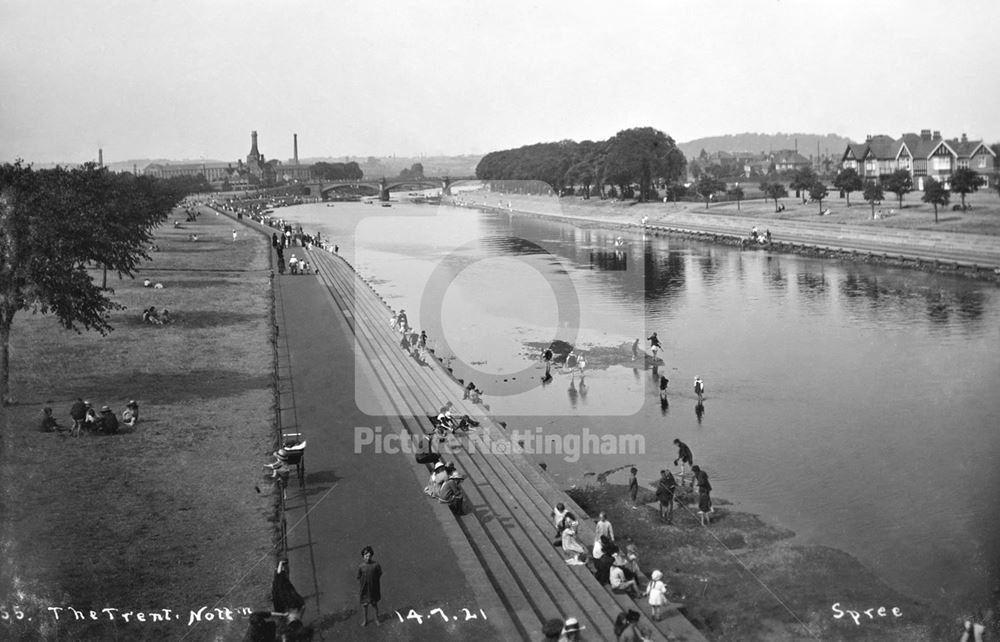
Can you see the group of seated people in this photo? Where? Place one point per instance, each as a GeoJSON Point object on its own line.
{"type": "Point", "coordinates": [446, 422]}
{"type": "Point", "coordinates": [86, 419]}
{"type": "Point", "coordinates": [757, 237]}
{"type": "Point", "coordinates": [445, 485]}
{"type": "Point", "coordinates": [609, 564]}
{"type": "Point", "coordinates": [473, 393]}
{"type": "Point", "coordinates": [151, 316]}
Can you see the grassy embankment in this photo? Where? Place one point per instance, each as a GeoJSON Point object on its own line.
{"type": "Point", "coordinates": [737, 576]}
{"type": "Point", "coordinates": [982, 217]}
{"type": "Point", "coordinates": [166, 516]}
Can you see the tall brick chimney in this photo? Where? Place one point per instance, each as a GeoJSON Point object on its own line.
{"type": "Point", "coordinates": [295, 148]}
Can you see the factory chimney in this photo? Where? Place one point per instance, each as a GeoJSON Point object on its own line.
{"type": "Point", "coordinates": [295, 148]}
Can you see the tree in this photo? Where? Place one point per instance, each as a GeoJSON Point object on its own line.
{"type": "Point", "coordinates": [802, 179]}
{"type": "Point", "coordinates": [416, 171]}
{"type": "Point", "coordinates": [848, 181]}
{"type": "Point", "coordinates": [708, 185]}
{"type": "Point", "coordinates": [936, 194]}
{"type": "Point", "coordinates": [737, 193]}
{"type": "Point", "coordinates": [873, 194]}
{"type": "Point", "coordinates": [900, 183]}
{"type": "Point", "coordinates": [773, 190]}
{"type": "Point", "coordinates": [818, 191]}
{"type": "Point", "coordinates": [965, 181]}
{"type": "Point", "coordinates": [53, 225]}
{"type": "Point", "coordinates": [643, 154]}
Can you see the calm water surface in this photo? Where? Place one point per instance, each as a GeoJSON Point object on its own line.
{"type": "Point", "coordinates": [855, 405]}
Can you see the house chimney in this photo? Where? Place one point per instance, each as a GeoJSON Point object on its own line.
{"type": "Point", "coordinates": [937, 135]}
{"type": "Point", "coordinates": [295, 148]}
{"type": "Point", "coordinates": [868, 138]}
{"type": "Point", "coordinates": [965, 139]}
{"type": "Point", "coordinates": [925, 134]}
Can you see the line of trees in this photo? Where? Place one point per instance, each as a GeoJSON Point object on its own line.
{"type": "Point", "coordinates": [632, 164]}
{"type": "Point", "coordinates": [57, 224]}
{"type": "Point", "coordinates": [336, 171]}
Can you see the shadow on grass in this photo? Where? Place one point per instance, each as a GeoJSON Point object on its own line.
{"type": "Point", "coordinates": [176, 387]}
{"type": "Point", "coordinates": [192, 319]}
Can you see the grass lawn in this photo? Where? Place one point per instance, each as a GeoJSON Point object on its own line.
{"type": "Point", "coordinates": [166, 516]}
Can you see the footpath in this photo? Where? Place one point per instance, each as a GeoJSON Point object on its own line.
{"type": "Point", "coordinates": [489, 574]}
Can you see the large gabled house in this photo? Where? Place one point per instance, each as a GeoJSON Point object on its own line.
{"type": "Point", "coordinates": [923, 155]}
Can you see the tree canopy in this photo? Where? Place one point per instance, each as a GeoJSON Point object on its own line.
{"type": "Point", "coordinates": [900, 183]}
{"type": "Point", "coordinates": [707, 186]}
{"type": "Point", "coordinates": [936, 194]}
{"type": "Point", "coordinates": [337, 171]}
{"type": "Point", "coordinates": [639, 156]}
{"type": "Point", "coordinates": [54, 225]}
{"type": "Point", "coordinates": [416, 171]}
{"type": "Point", "coordinates": [873, 194]}
{"type": "Point", "coordinates": [849, 181]}
{"type": "Point", "coordinates": [817, 192]}
{"type": "Point", "coordinates": [965, 181]}
{"type": "Point", "coordinates": [774, 191]}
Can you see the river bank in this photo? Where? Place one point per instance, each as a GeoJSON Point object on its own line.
{"type": "Point", "coordinates": [740, 579]}
{"type": "Point", "coordinates": [966, 243]}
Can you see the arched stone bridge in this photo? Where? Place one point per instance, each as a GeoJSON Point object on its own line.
{"type": "Point", "coordinates": [379, 188]}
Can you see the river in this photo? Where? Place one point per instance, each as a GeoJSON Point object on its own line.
{"type": "Point", "coordinates": [856, 405]}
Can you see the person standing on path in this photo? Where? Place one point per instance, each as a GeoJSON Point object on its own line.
{"type": "Point", "coordinates": [704, 496]}
{"type": "Point", "coordinates": [370, 579]}
{"type": "Point", "coordinates": [633, 485]}
{"type": "Point", "coordinates": [664, 382]}
{"type": "Point", "coordinates": [234, 236]}
{"type": "Point", "coordinates": [654, 343]}
{"type": "Point", "coordinates": [684, 456]}
{"type": "Point", "coordinates": [699, 389]}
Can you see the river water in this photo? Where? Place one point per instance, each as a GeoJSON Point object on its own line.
{"type": "Point", "coordinates": [856, 405]}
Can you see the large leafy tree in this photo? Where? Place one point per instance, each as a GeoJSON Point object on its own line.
{"type": "Point", "coordinates": [773, 190]}
{"type": "Point", "coordinates": [873, 194]}
{"type": "Point", "coordinates": [736, 192]}
{"type": "Point", "coordinates": [817, 192]}
{"type": "Point", "coordinates": [56, 223]}
{"type": "Point", "coordinates": [643, 154]}
{"type": "Point", "coordinates": [900, 183]}
{"type": "Point", "coordinates": [936, 194]}
{"type": "Point", "coordinates": [965, 181]}
{"type": "Point", "coordinates": [337, 171]}
{"type": "Point", "coordinates": [803, 179]}
{"type": "Point", "coordinates": [849, 181]}
{"type": "Point", "coordinates": [708, 185]}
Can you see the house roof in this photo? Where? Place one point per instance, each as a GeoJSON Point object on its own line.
{"type": "Point", "coordinates": [789, 157]}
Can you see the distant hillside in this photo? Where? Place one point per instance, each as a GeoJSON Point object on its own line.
{"type": "Point", "coordinates": [829, 144]}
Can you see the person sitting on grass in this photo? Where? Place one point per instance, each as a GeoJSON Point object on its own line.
{"type": "Point", "coordinates": [165, 317]}
{"type": "Point", "coordinates": [48, 423]}
{"type": "Point", "coordinates": [130, 416]}
{"type": "Point", "coordinates": [107, 423]}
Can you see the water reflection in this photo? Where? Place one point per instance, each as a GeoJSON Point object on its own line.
{"type": "Point", "coordinates": [664, 275]}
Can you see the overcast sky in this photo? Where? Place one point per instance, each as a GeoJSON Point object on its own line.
{"type": "Point", "coordinates": [191, 78]}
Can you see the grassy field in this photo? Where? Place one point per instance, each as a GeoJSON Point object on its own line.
{"type": "Point", "coordinates": [166, 516]}
{"type": "Point", "coordinates": [737, 577]}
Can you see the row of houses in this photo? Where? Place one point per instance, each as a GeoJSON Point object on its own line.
{"type": "Point", "coordinates": [924, 155]}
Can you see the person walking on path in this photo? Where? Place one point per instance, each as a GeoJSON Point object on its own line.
{"type": "Point", "coordinates": [665, 489]}
{"type": "Point", "coordinates": [664, 382]}
{"type": "Point", "coordinates": [684, 456]}
{"type": "Point", "coordinates": [603, 528]}
{"type": "Point", "coordinates": [370, 580]}
{"type": "Point", "coordinates": [633, 485]}
{"type": "Point", "coordinates": [704, 494]}
{"type": "Point", "coordinates": [699, 389]}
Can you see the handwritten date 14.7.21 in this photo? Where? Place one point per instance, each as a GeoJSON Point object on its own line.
{"type": "Point", "coordinates": [413, 615]}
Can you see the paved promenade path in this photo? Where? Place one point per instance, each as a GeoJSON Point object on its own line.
{"type": "Point", "coordinates": [490, 574]}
